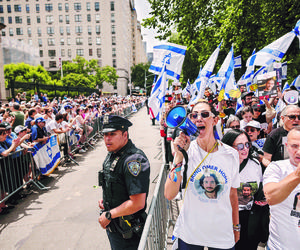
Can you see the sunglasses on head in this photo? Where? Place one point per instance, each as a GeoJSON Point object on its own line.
{"type": "Point", "coordinates": [203, 114]}
{"type": "Point", "coordinates": [250, 130]}
{"type": "Point", "coordinates": [235, 127]}
{"type": "Point", "coordinates": [241, 146]}
{"type": "Point", "coordinates": [293, 117]}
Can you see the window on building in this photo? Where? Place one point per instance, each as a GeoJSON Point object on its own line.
{"type": "Point", "coordinates": [62, 41]}
{"type": "Point", "coordinates": [78, 29]}
{"type": "Point", "coordinates": [40, 42]}
{"type": "Point", "coordinates": [89, 30]}
{"type": "Point", "coordinates": [78, 18]}
{"type": "Point", "coordinates": [113, 29]}
{"type": "Point", "coordinates": [41, 53]}
{"type": "Point", "coordinates": [30, 41]}
{"type": "Point", "coordinates": [28, 20]}
{"type": "Point", "coordinates": [11, 32]}
{"type": "Point", "coordinates": [29, 31]}
{"type": "Point", "coordinates": [68, 30]}
{"type": "Point", "coordinates": [79, 52]}
{"type": "Point", "coordinates": [114, 62]}
{"type": "Point", "coordinates": [62, 53]}
{"type": "Point", "coordinates": [39, 31]}
{"type": "Point", "coordinates": [51, 41]}
{"type": "Point", "coordinates": [27, 8]}
{"type": "Point", "coordinates": [49, 19]}
{"type": "Point", "coordinates": [61, 30]}
{"type": "Point", "coordinates": [67, 19]}
{"type": "Point", "coordinates": [90, 52]}
{"type": "Point", "coordinates": [88, 6]}
{"type": "Point", "coordinates": [113, 40]}
{"type": "Point", "coordinates": [112, 17]}
{"type": "Point", "coordinates": [112, 6]}
{"type": "Point", "coordinates": [69, 41]}
{"type": "Point", "coordinates": [66, 7]}
{"type": "Point", "coordinates": [61, 18]}
{"type": "Point", "coordinates": [97, 6]}
{"type": "Point", "coordinates": [19, 31]}
{"type": "Point", "coordinates": [1, 8]}
{"type": "Point", "coordinates": [1, 19]}
{"type": "Point", "coordinates": [90, 42]}
{"type": "Point", "coordinates": [8, 9]}
{"type": "Point", "coordinates": [9, 19]}
{"type": "Point", "coordinates": [98, 40]}
{"type": "Point", "coordinates": [52, 64]}
{"type": "Point", "coordinates": [60, 6]}
{"type": "Point", "coordinates": [38, 19]}
{"type": "Point", "coordinates": [3, 32]}
{"type": "Point", "coordinates": [97, 18]}
{"type": "Point", "coordinates": [50, 30]}
{"type": "Point", "coordinates": [77, 6]}
{"type": "Point", "coordinates": [37, 8]}
{"type": "Point", "coordinates": [48, 7]}
{"type": "Point", "coordinates": [97, 29]}
{"type": "Point", "coordinates": [18, 19]}
{"type": "Point", "coordinates": [89, 17]}
{"type": "Point", "coordinates": [79, 40]}
{"type": "Point", "coordinates": [99, 52]}
{"type": "Point", "coordinates": [114, 52]}
{"type": "Point", "coordinates": [18, 8]}
{"type": "Point", "coordinates": [69, 53]}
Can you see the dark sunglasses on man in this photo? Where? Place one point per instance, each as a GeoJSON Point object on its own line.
{"type": "Point", "coordinates": [293, 117]}
{"type": "Point", "coordinates": [235, 127]}
{"type": "Point", "coordinates": [241, 146]}
{"type": "Point", "coordinates": [250, 130]}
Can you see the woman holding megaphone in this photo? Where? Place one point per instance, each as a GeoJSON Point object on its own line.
{"type": "Point", "coordinates": [209, 215]}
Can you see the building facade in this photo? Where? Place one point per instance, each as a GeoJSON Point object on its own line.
{"type": "Point", "coordinates": [105, 30]}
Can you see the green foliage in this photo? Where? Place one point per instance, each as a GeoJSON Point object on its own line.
{"type": "Point", "coordinates": [138, 72]}
{"type": "Point", "coordinates": [201, 25]}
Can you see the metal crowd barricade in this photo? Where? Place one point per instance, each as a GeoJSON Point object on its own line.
{"type": "Point", "coordinates": [16, 171]}
{"type": "Point", "coordinates": [156, 227]}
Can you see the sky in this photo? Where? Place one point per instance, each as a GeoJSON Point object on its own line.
{"type": "Point", "coordinates": [143, 8]}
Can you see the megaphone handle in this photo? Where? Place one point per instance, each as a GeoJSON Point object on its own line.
{"type": "Point", "coordinates": [186, 158]}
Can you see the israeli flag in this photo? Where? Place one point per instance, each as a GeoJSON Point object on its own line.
{"type": "Point", "coordinates": [274, 51]}
{"type": "Point", "coordinates": [296, 83]}
{"type": "Point", "coordinates": [248, 76]}
{"type": "Point", "coordinates": [238, 62]}
{"type": "Point", "coordinates": [204, 74]}
{"type": "Point", "coordinates": [157, 98]}
{"type": "Point", "coordinates": [187, 89]}
{"type": "Point", "coordinates": [171, 55]}
{"type": "Point", "coordinates": [133, 108]}
{"type": "Point", "coordinates": [284, 71]}
{"type": "Point", "coordinates": [47, 156]}
{"type": "Point", "coordinates": [285, 87]}
{"type": "Point", "coordinates": [226, 73]}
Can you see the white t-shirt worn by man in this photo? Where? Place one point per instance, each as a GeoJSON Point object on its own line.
{"type": "Point", "coordinates": [204, 221]}
{"type": "Point", "coordinates": [285, 216]}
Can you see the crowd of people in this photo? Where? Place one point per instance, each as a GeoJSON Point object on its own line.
{"type": "Point", "coordinates": [239, 180]}
{"type": "Point", "coordinates": [26, 121]}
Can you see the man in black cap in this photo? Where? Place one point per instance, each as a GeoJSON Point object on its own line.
{"type": "Point", "coordinates": [125, 183]}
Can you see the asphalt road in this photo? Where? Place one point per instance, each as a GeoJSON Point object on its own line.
{"type": "Point", "coordinates": [66, 216]}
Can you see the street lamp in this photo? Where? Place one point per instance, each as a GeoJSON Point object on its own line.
{"type": "Point", "coordinates": [146, 80]}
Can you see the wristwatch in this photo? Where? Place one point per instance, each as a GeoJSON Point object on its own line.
{"type": "Point", "coordinates": [108, 215]}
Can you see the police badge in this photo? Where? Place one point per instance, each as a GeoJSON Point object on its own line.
{"type": "Point", "coordinates": [106, 119]}
{"type": "Point", "coordinates": [134, 167]}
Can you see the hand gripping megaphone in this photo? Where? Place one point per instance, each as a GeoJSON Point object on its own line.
{"type": "Point", "coordinates": [177, 117]}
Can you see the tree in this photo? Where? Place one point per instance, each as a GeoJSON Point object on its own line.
{"type": "Point", "coordinates": [106, 74]}
{"type": "Point", "coordinates": [138, 72]}
{"type": "Point", "coordinates": [202, 25]}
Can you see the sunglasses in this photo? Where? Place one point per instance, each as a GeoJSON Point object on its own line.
{"type": "Point", "coordinates": [203, 114]}
{"type": "Point", "coordinates": [257, 110]}
{"type": "Point", "coordinates": [235, 127]}
{"type": "Point", "coordinates": [250, 130]}
{"type": "Point", "coordinates": [293, 117]}
{"type": "Point", "coordinates": [241, 146]}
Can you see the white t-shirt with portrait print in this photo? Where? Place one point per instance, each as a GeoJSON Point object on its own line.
{"type": "Point", "coordinates": [285, 217]}
{"type": "Point", "coordinates": [252, 174]}
{"type": "Point", "coordinates": [204, 221]}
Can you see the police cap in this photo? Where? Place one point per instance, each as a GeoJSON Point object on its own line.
{"type": "Point", "coordinates": [113, 122]}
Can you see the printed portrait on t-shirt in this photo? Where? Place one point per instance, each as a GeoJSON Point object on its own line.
{"type": "Point", "coordinates": [208, 182]}
{"type": "Point", "coordinates": [246, 192]}
{"type": "Point", "coordinates": [296, 205]}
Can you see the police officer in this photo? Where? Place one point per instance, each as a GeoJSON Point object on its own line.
{"type": "Point", "coordinates": [125, 183]}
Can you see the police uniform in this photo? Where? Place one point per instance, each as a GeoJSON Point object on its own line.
{"type": "Point", "coordinates": [124, 173]}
